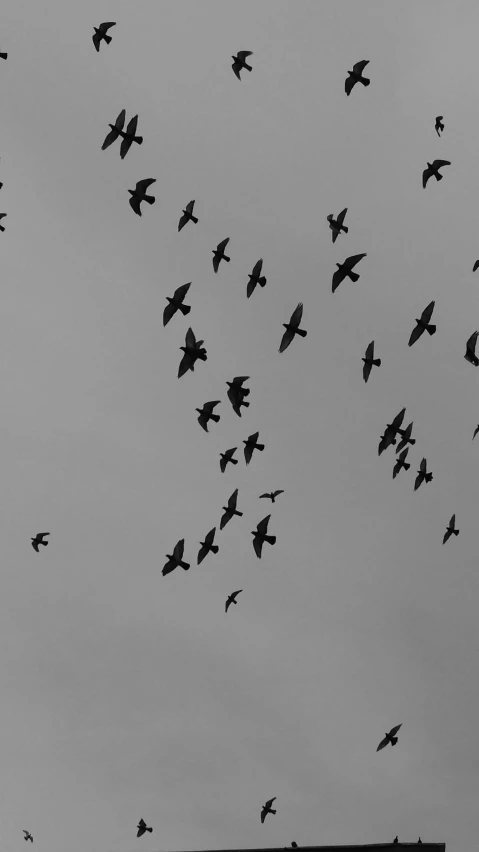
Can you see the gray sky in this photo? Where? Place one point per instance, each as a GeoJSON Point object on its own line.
{"type": "Point", "coordinates": [126, 694]}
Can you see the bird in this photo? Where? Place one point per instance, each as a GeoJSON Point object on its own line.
{"type": "Point", "coordinates": [239, 62]}
{"type": "Point", "coordinates": [142, 827]}
{"type": "Point", "coordinates": [267, 809]}
{"type": "Point", "coordinates": [207, 546]}
{"type": "Point", "coordinates": [419, 840]}
{"type": "Point", "coordinates": [226, 457]}
{"type": "Point", "coordinates": [236, 393]}
{"type": "Point", "coordinates": [138, 194]}
{"type": "Point", "coordinates": [401, 463]}
{"type": "Point", "coordinates": [231, 599]}
{"type": "Point", "coordinates": [423, 324]}
{"type": "Point", "coordinates": [28, 836]}
{"type": "Point", "coordinates": [471, 350]}
{"type": "Point", "coordinates": [272, 494]}
{"type": "Point", "coordinates": [433, 169]}
{"type": "Point", "coordinates": [115, 130]}
{"type": "Point", "coordinates": [450, 530]}
{"type": "Point", "coordinates": [176, 303]}
{"type": "Point", "coordinates": [344, 270]}
{"type": "Point", "coordinates": [355, 76]}
{"type": "Point", "coordinates": [389, 738]}
{"type": "Point", "coordinates": [206, 414]}
{"type": "Point", "coordinates": [219, 253]}
{"type": "Point", "coordinates": [193, 350]}
{"type": "Point", "coordinates": [396, 840]}
{"type": "Point", "coordinates": [2, 216]}
{"type": "Point", "coordinates": [439, 124]}
{"type": "Point", "coordinates": [39, 540]}
{"type": "Point", "coordinates": [230, 510]}
{"type": "Point", "coordinates": [476, 430]}
{"type": "Point", "coordinates": [175, 560]}
{"type": "Point", "coordinates": [406, 438]}
{"type": "Point", "coordinates": [422, 475]}
{"type": "Point", "coordinates": [250, 445]}
{"type": "Point", "coordinates": [292, 328]}
{"type": "Point", "coordinates": [476, 266]}
{"type": "Point", "coordinates": [369, 360]}
{"type": "Point", "coordinates": [101, 34]}
{"type": "Point", "coordinates": [336, 225]}
{"type": "Point", "coordinates": [129, 136]}
{"type": "Point", "coordinates": [294, 845]}
{"type": "Point", "coordinates": [392, 429]}
{"type": "Point", "coordinates": [260, 536]}
{"type": "Point", "coordinates": [187, 215]}
{"type": "Point", "coordinates": [255, 278]}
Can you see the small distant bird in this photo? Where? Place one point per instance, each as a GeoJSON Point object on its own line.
{"type": "Point", "coordinates": [433, 169]}
{"type": "Point", "coordinates": [450, 530]}
{"type": "Point", "coordinates": [255, 278]}
{"type": "Point", "coordinates": [39, 540]}
{"type": "Point", "coordinates": [423, 324]}
{"type": "Point", "coordinates": [406, 438]}
{"type": "Point", "coordinates": [101, 34]}
{"type": "Point", "coordinates": [187, 215]}
{"type": "Point", "coordinates": [2, 216]}
{"type": "Point", "coordinates": [175, 560]}
{"type": "Point", "coordinates": [392, 429]}
{"type": "Point", "coordinates": [476, 266]}
{"type": "Point", "coordinates": [272, 494]}
{"type": "Point", "coordinates": [236, 393]}
{"type": "Point", "coordinates": [250, 445]}
{"type": "Point", "coordinates": [138, 194]}
{"type": "Point", "coordinates": [336, 225]}
{"type": "Point", "coordinates": [267, 809]}
{"type": "Point", "coordinates": [239, 62]}
{"type": "Point", "coordinates": [207, 546]}
{"type": "Point", "coordinates": [176, 303]}
{"type": "Point", "coordinates": [355, 76]}
{"type": "Point", "coordinates": [28, 836]}
{"type": "Point", "coordinates": [260, 536]}
{"type": "Point", "coordinates": [294, 845]}
{"type": "Point", "coordinates": [369, 360]}
{"type": "Point", "coordinates": [231, 599]}
{"type": "Point", "coordinates": [389, 738]}
{"type": "Point", "coordinates": [193, 350]}
{"type": "Point", "coordinates": [439, 124]}
{"type": "Point", "coordinates": [128, 136]}
{"type": "Point", "coordinates": [476, 430]}
{"type": "Point", "coordinates": [396, 839]}
{"type": "Point", "coordinates": [142, 827]}
{"type": "Point", "coordinates": [422, 475]}
{"type": "Point", "coordinates": [292, 328]}
{"type": "Point", "coordinates": [219, 253]}
{"type": "Point", "coordinates": [344, 270]}
{"type": "Point", "coordinates": [401, 463]}
{"type": "Point", "coordinates": [227, 457]}
{"type": "Point", "coordinates": [206, 414]}
{"type": "Point", "coordinates": [471, 350]}
{"type": "Point", "coordinates": [230, 510]}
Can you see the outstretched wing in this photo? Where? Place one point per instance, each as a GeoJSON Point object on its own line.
{"type": "Point", "coordinates": [393, 731]}
{"type": "Point", "coordinates": [216, 262]}
{"type": "Point", "coordinates": [135, 204]}
{"type": "Point", "coordinates": [427, 312]}
{"type": "Point", "coordinates": [476, 266]}
{"type": "Point", "coordinates": [439, 163]}
{"type": "Point", "coordinates": [244, 53]}
{"type": "Point", "coordinates": [208, 406]}
{"type": "Point", "coordinates": [190, 339]}
{"type": "Point", "coordinates": [203, 421]}
{"type": "Point", "coordinates": [425, 176]}
{"type": "Point", "coordinates": [415, 334]}
{"type": "Point", "coordinates": [286, 340]}
{"type": "Point", "coordinates": [106, 26]}
{"type": "Point", "coordinates": [476, 430]}
{"type": "Point", "coordinates": [262, 527]}
{"type": "Point", "coordinates": [341, 216]}
{"type": "Point", "coordinates": [351, 262]}
{"type": "Point", "coordinates": [222, 245]}
{"type": "Point", "coordinates": [132, 125]}
{"type": "Point", "coordinates": [382, 744]}
{"type": "Point", "coordinates": [182, 222]}
{"type": "Point", "coordinates": [181, 292]}
{"type": "Point", "coordinates": [232, 500]}
{"type": "Point", "coordinates": [250, 287]}
{"type": "Point", "coordinates": [398, 419]}
{"type": "Point", "coordinates": [256, 271]}
{"type": "Point", "coordinates": [367, 367]}
{"type": "Point", "coordinates": [125, 147]}
{"type": "Point", "coordinates": [143, 185]}
{"type": "Point", "coordinates": [169, 312]}
{"type": "Point", "coordinates": [258, 545]}
{"type": "Point", "coordinates": [209, 538]}
{"type": "Point", "coordinates": [248, 452]}
{"type": "Point", "coordinates": [279, 491]}
{"type": "Point", "coordinates": [269, 495]}
{"type": "Point", "coordinates": [237, 68]}
{"type": "Point", "coordinates": [186, 364]}
{"type": "Point", "coordinates": [349, 84]}
{"type": "Point", "coordinates": [360, 66]}
{"type": "Point", "coordinates": [296, 316]}
{"type": "Point", "coordinates": [369, 354]}
{"type": "Point", "coordinates": [179, 548]}
{"type": "Point", "coordinates": [269, 802]}
{"type": "Point", "coordinates": [337, 278]}
{"type": "Point", "coordinates": [202, 553]}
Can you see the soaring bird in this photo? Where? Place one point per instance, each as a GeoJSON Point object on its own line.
{"type": "Point", "coordinates": [406, 438]}
{"type": "Point", "coordinates": [336, 225]}
{"type": "Point", "coordinates": [450, 529]}
{"type": "Point", "coordinates": [392, 429]}
{"type": "Point", "coordinates": [292, 328]}
{"type": "Point", "coordinates": [230, 509]}
{"type": "Point", "coordinates": [115, 130]}
{"type": "Point", "coordinates": [423, 324]}
{"type": "Point", "coordinates": [267, 809]}
{"type": "Point", "coordinates": [239, 62]}
{"type": "Point", "coordinates": [176, 303]}
{"type": "Point", "coordinates": [422, 475]}
{"type": "Point", "coordinates": [101, 34]}
{"type": "Point", "coordinates": [401, 463]}
{"type": "Point", "coordinates": [187, 215]}
{"type": "Point", "coordinates": [138, 194]}
{"type": "Point", "coordinates": [236, 393]}
{"type": "Point", "coordinates": [272, 494]}
{"type": "Point", "coordinates": [344, 270]}
{"type": "Point", "coordinates": [471, 350]}
{"type": "Point", "coordinates": [433, 169]}
{"type": "Point", "coordinates": [355, 76]}
{"type": "Point", "coordinates": [476, 430]}
{"type": "Point", "coordinates": [207, 545]}
{"type": "Point", "coordinates": [231, 599]}
{"type": "Point", "coordinates": [193, 350]}
{"type": "Point", "coordinates": [2, 216]}
{"type": "Point", "coordinates": [142, 827]}
{"type": "Point", "coordinates": [250, 445]}
{"type": "Point", "coordinates": [369, 360]}
{"type": "Point", "coordinates": [260, 536]}
{"type": "Point", "coordinates": [389, 738]}
{"type": "Point", "coordinates": [255, 278]}
{"type": "Point", "coordinates": [39, 540]}
{"type": "Point", "coordinates": [28, 836]}
{"type": "Point", "coordinates": [206, 414]}
{"type": "Point", "coordinates": [174, 561]}
{"type": "Point", "coordinates": [226, 457]}
{"type": "Point", "coordinates": [219, 253]}
{"type": "Point", "coordinates": [439, 125]}
{"type": "Point", "coordinates": [476, 266]}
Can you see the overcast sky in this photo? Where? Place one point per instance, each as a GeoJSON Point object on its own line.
{"type": "Point", "coordinates": [126, 694]}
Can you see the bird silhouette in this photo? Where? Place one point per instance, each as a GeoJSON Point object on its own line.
{"type": "Point", "coordinates": [396, 840]}
{"type": "Point", "coordinates": [239, 62]}
{"type": "Point", "coordinates": [476, 266]}
{"type": "Point", "coordinates": [439, 125]}
{"type": "Point", "coordinates": [207, 546]}
{"type": "Point", "coordinates": [392, 429]}
{"type": "Point", "coordinates": [101, 34]}
{"type": "Point", "coordinates": [450, 530]}
{"type": "Point", "coordinates": [433, 169]}
{"type": "Point", "coordinates": [142, 827]}
{"type": "Point", "coordinates": [175, 303]}
{"type": "Point", "coordinates": [39, 540]}
{"type": "Point", "coordinates": [406, 438]}
{"type": "Point", "coordinates": [187, 215]}
{"type": "Point", "coordinates": [369, 360]}
{"type": "Point", "coordinates": [226, 457]}
{"type": "Point", "coordinates": [422, 475]}
{"type": "Point", "coordinates": [175, 560]}
{"type": "Point", "coordinates": [128, 136]}
{"type": "Point", "coordinates": [419, 840]}
{"type": "Point", "coordinates": [255, 278]}
{"type": "Point", "coordinates": [115, 130]}
{"type": "Point", "coordinates": [401, 463]}
{"type": "Point", "coordinates": [236, 393]}
{"type": "Point", "coordinates": [260, 536]}
{"type": "Point", "coordinates": [267, 809]}
{"type": "Point", "coordinates": [28, 836]}
{"type": "Point", "coordinates": [139, 194]}
{"type": "Point", "coordinates": [423, 324]}
{"type": "Point", "coordinates": [230, 510]}
{"type": "Point", "coordinates": [252, 444]}
{"type": "Point", "coordinates": [471, 350]}
{"type": "Point", "coordinates": [336, 225]}
{"type": "Point", "coordinates": [272, 494]}
{"type": "Point", "coordinates": [292, 328]}
{"type": "Point", "coordinates": [231, 599]}
{"type": "Point", "coordinates": [2, 216]}
{"type": "Point", "coordinates": [344, 270]}
{"type": "Point", "coordinates": [389, 738]}
{"type": "Point", "coordinates": [219, 253]}
{"type": "Point", "coordinates": [206, 414]}
{"type": "Point", "coordinates": [476, 430]}
{"type": "Point", "coordinates": [194, 351]}
{"type": "Point", "coordinates": [355, 76]}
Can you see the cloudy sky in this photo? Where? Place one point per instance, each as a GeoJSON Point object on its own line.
{"type": "Point", "coordinates": [126, 694]}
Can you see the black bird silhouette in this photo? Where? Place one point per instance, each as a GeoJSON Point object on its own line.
{"type": "Point", "coordinates": [336, 225]}
{"type": "Point", "coordinates": [419, 840]}
{"type": "Point", "coordinates": [115, 130]}
{"type": "Point", "coordinates": [175, 560]}
{"type": "Point", "coordinates": [439, 124]}
{"type": "Point", "coordinates": [250, 445]}
{"type": "Point", "coordinates": [422, 475]}
{"type": "Point", "coordinates": [255, 278]}
{"type": "Point", "coordinates": [101, 34]}
{"type": "Point", "coordinates": [142, 827]}
{"type": "Point", "coordinates": [239, 62]}
{"type": "Point", "coordinates": [39, 540]}
{"type": "Point", "coordinates": [272, 494]}
{"type": "Point", "coordinates": [193, 350]}
{"type": "Point", "coordinates": [392, 429]}
{"type": "Point", "coordinates": [227, 457]}
{"type": "Point", "coordinates": [28, 836]}
{"type": "Point", "coordinates": [471, 350]}
{"type": "Point", "coordinates": [423, 324]}
{"type": "Point", "coordinates": [187, 215]}
{"type": "Point", "coordinates": [260, 536]}
{"type": "Point", "coordinates": [267, 809]}
{"type": "Point", "coordinates": [2, 216]}
{"type": "Point", "coordinates": [207, 545]}
{"type": "Point", "coordinates": [176, 303]}
{"type": "Point", "coordinates": [139, 194]}
{"type": "Point", "coordinates": [344, 270]}
{"type": "Point", "coordinates": [355, 76]}
{"type": "Point", "coordinates": [230, 510]}
{"type": "Point", "coordinates": [128, 136]}
{"type": "Point", "coordinates": [476, 430]}
{"type": "Point", "coordinates": [450, 530]}
{"type": "Point", "coordinates": [219, 253]}
{"type": "Point", "coordinates": [231, 599]}
{"type": "Point", "coordinates": [406, 438]}
{"type": "Point", "coordinates": [236, 393]}
{"type": "Point", "coordinates": [389, 738]}
{"type": "Point", "coordinates": [433, 169]}
{"type": "Point", "coordinates": [206, 414]}
{"type": "Point", "coordinates": [369, 360]}
{"type": "Point", "coordinates": [292, 328]}
{"type": "Point", "coordinates": [396, 839]}
{"type": "Point", "coordinates": [401, 463]}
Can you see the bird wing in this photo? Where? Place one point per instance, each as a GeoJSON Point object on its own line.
{"type": "Point", "coordinates": [189, 206]}
{"type": "Point", "coordinates": [254, 437]}
{"type": "Point", "coordinates": [237, 68]}
{"type": "Point", "coordinates": [425, 176]}
{"type": "Point", "coordinates": [415, 334]}
{"type": "Point", "coordinates": [203, 421]}
{"type": "Point", "coordinates": [179, 548]}
{"type": "Point", "coordinates": [279, 491]}
{"type": "Point", "coordinates": [476, 265]}
{"type": "Point", "coordinates": [335, 234]}
{"type": "Point", "coordinates": [398, 419]}
{"type": "Point", "coordinates": [360, 66]}
{"type": "Point", "coordinates": [427, 312]}
{"type": "Point", "coordinates": [269, 495]}
{"type": "Point", "coordinates": [135, 204]}
{"type": "Point", "coordinates": [296, 315]}
{"type": "Point", "coordinates": [439, 163]}
{"type": "Point", "coordinates": [351, 262]}
{"type": "Point", "coordinates": [190, 339]}
{"type": "Point", "coordinates": [471, 343]}
{"type": "Point", "coordinates": [142, 830]}
{"type": "Point", "coordinates": [182, 222]}
{"type": "Point", "coordinates": [42, 535]}
{"type": "Point", "coordinates": [258, 545]}
{"type": "Point", "coordinates": [35, 545]}
{"type": "Point", "coordinates": [248, 452]}
{"type": "Point", "coordinates": [226, 516]}
{"type": "Point", "coordinates": [367, 367]}
{"type": "Point", "coordinates": [234, 594]}
{"type": "Point", "coordinates": [341, 216]}
{"type": "Point", "coordinates": [262, 527]}
{"type": "Point", "coordinates": [402, 456]}
{"type": "Point", "coordinates": [349, 84]}
{"type": "Point", "coordinates": [209, 538]}
{"type": "Point", "coordinates": [382, 744]}
{"type": "Point", "coordinates": [109, 139]}
{"type": "Point", "coordinates": [418, 480]}
{"type": "Point", "coordinates": [244, 53]}
{"type": "Point", "coordinates": [132, 125]}
{"type": "Point", "coordinates": [370, 351]}
{"type": "Point", "coordinates": [96, 41]}
{"type": "Point", "coordinates": [452, 522]}
{"type": "Point", "coordinates": [125, 147]}
{"type": "Point", "coordinates": [286, 340]}
{"type": "Point", "coordinates": [232, 500]}
{"type": "Point", "coordinates": [393, 731]}
{"type": "Point", "coordinates": [208, 406]}
{"type": "Point", "coordinates": [250, 287]}
{"type": "Point", "coordinates": [222, 245]}
{"type": "Point", "coordinates": [202, 553]}
{"type": "Point", "coordinates": [186, 364]}
{"type": "Point", "coordinates": [423, 466]}
{"type": "Point", "coordinates": [269, 802]}
{"type": "Point", "coordinates": [476, 430]}
{"type": "Point", "coordinates": [239, 380]}
{"type": "Point", "coordinates": [264, 811]}
{"type": "Point", "coordinates": [338, 276]}
{"type": "Point", "coordinates": [181, 292]}
{"type": "Point", "coordinates": [439, 117]}
{"type": "Point", "coordinates": [256, 271]}
{"type": "Point", "coordinates": [216, 262]}
{"type": "Point", "coordinates": [228, 603]}
{"type": "Point", "coordinates": [106, 26]}
{"type": "Point", "coordinates": [142, 185]}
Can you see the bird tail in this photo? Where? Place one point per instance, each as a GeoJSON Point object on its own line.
{"type": "Point", "coordinates": [234, 461]}
{"type": "Point", "coordinates": [242, 402]}
{"type": "Point", "coordinates": [2, 228]}
{"type": "Point", "coordinates": [194, 219]}
{"type": "Point", "coordinates": [272, 811]}
{"type": "Point", "coordinates": [185, 566]}
{"type": "Point", "coordinates": [138, 139]}
{"type": "Point", "coordinates": [215, 417]}
{"type": "Point", "coordinates": [365, 81]}
{"type": "Point", "coordinates": [150, 199]}
{"type": "Point", "coordinates": [271, 539]}
{"type": "Point", "coordinates": [3, 55]}
{"type": "Point", "coordinates": [185, 309]}
{"type": "Point", "coordinates": [214, 548]}
{"type": "Point", "coordinates": [377, 362]}
{"type": "Point", "coordinates": [227, 259]}
{"type": "Point", "coordinates": [239, 513]}
{"type": "Point", "coordinates": [438, 176]}
{"type": "Point", "coordinates": [394, 741]}
{"type": "Point", "coordinates": [107, 38]}
{"type": "Point", "coordinates": [344, 228]}
{"type": "Point", "coordinates": [431, 329]}
{"type": "Point", "coordinates": [406, 465]}
{"type": "Point", "coordinates": [249, 67]}
{"type": "Point", "coordinates": [260, 446]}
{"type": "Point", "coordinates": [262, 281]}
{"type": "Point", "coordinates": [456, 532]}
{"type": "Point", "coordinates": [44, 543]}
{"type": "Point", "coordinates": [354, 276]}
{"type": "Point", "coordinates": [428, 477]}
{"type": "Point", "coordinates": [301, 332]}
{"type": "Point", "coordinates": [150, 829]}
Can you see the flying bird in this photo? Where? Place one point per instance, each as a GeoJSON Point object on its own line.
{"type": "Point", "coordinates": [272, 494]}
{"type": "Point", "coordinates": [422, 475]}
{"type": "Point", "coordinates": [255, 278]}
{"type": "Point", "coordinates": [230, 510]}
{"type": "Point", "coordinates": [450, 530]}
{"type": "Point", "coordinates": [369, 360]}
{"type": "Point", "coordinates": [193, 350]}
{"type": "Point", "coordinates": [406, 438]}
{"type": "Point", "coordinates": [207, 546]}
{"type": "Point", "coordinates": [139, 194]}
{"type": "Point", "coordinates": [423, 324]}
{"type": "Point", "coordinates": [401, 463]}
{"type": "Point", "coordinates": [260, 536]}
{"type": "Point", "coordinates": [355, 76]}
{"type": "Point", "coordinates": [206, 414]}
{"type": "Point", "coordinates": [433, 169]}
{"type": "Point", "coordinates": [39, 540]}
{"type": "Point", "coordinates": [239, 62]}
{"type": "Point", "coordinates": [292, 328]}
{"type": "Point", "coordinates": [231, 599]}
{"type": "Point", "coordinates": [175, 560]}
{"type": "Point", "coordinates": [250, 445]}
{"type": "Point", "coordinates": [219, 253]}
{"type": "Point", "coordinates": [101, 34]}
{"type": "Point", "coordinates": [344, 270]}
{"type": "Point", "coordinates": [389, 738]}
{"type": "Point", "coordinates": [115, 130]}
{"type": "Point", "coordinates": [227, 457]}
{"type": "Point", "coordinates": [129, 136]}
{"type": "Point", "coordinates": [471, 350]}
{"type": "Point", "coordinates": [2, 216]}
{"type": "Point", "coordinates": [439, 124]}
{"type": "Point", "coordinates": [267, 809]}
{"type": "Point", "coordinates": [392, 429]}
{"type": "Point", "coordinates": [476, 430]}
{"type": "Point", "coordinates": [176, 303]}
{"type": "Point", "coordinates": [236, 393]}
{"type": "Point", "coordinates": [336, 225]}
{"type": "Point", "coordinates": [28, 836]}
{"type": "Point", "coordinates": [476, 266]}
{"type": "Point", "coordinates": [142, 827]}
{"type": "Point", "coordinates": [187, 215]}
